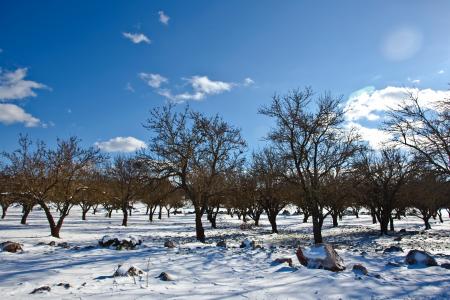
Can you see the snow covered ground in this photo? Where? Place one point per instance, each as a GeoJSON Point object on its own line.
{"type": "Point", "coordinates": [205, 271]}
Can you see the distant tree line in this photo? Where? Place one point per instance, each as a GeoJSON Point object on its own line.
{"type": "Point", "coordinates": [312, 161]}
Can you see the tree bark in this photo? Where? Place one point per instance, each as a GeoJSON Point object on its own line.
{"type": "Point", "coordinates": [273, 222]}
{"type": "Point", "coordinates": [4, 209]}
{"type": "Point", "coordinates": [125, 216]}
{"type": "Point", "coordinates": [335, 220]}
{"type": "Point", "coordinates": [26, 211]}
{"type": "Point", "coordinates": [426, 220]}
{"type": "Point", "coordinates": [199, 230]}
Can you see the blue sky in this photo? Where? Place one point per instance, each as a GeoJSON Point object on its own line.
{"type": "Point", "coordinates": [94, 68]}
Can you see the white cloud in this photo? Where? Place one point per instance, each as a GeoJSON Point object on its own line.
{"type": "Point", "coordinates": [401, 44]}
{"type": "Point", "coordinates": [163, 18]}
{"type": "Point", "coordinates": [413, 81]}
{"type": "Point", "coordinates": [11, 113]}
{"type": "Point", "coordinates": [202, 86]}
{"type": "Point", "coordinates": [14, 86]}
{"type": "Point", "coordinates": [121, 144]}
{"type": "Point", "coordinates": [248, 81]}
{"type": "Point", "coordinates": [375, 137]}
{"type": "Point", "coordinates": [137, 37]}
{"type": "Point", "coordinates": [370, 104]}
{"type": "Point", "coordinates": [153, 80]}
{"type": "Point", "coordinates": [441, 72]}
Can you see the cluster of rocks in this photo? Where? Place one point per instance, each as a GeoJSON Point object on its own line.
{"type": "Point", "coordinates": [120, 243]}
{"type": "Point", "coordinates": [250, 244]}
{"type": "Point", "coordinates": [12, 247]}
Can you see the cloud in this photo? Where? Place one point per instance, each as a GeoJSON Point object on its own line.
{"type": "Point", "coordinates": [413, 81]}
{"type": "Point", "coordinates": [11, 113]}
{"type": "Point", "coordinates": [248, 81]}
{"type": "Point", "coordinates": [137, 37]}
{"type": "Point", "coordinates": [121, 144]}
{"type": "Point", "coordinates": [375, 137]}
{"type": "Point", "coordinates": [401, 44]}
{"type": "Point", "coordinates": [14, 86]}
{"type": "Point", "coordinates": [153, 80]}
{"type": "Point", "coordinates": [370, 104]}
{"type": "Point", "coordinates": [201, 86]}
{"type": "Point", "coordinates": [441, 72]}
{"type": "Point", "coordinates": [163, 18]}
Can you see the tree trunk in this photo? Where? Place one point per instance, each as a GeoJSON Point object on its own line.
{"type": "Point", "coordinates": [55, 231]}
{"type": "Point", "coordinates": [125, 216]}
{"type": "Point", "coordinates": [317, 230]}
{"type": "Point", "coordinates": [384, 223]}
{"type": "Point", "coordinates": [374, 218]}
{"type": "Point", "coordinates": [335, 220]}
{"type": "Point", "coordinates": [426, 220]}
{"type": "Point", "coordinates": [305, 217]}
{"type": "Point", "coordinates": [4, 209]}
{"type": "Point", "coordinates": [391, 223]}
{"type": "Point", "coordinates": [439, 213]}
{"type": "Point", "coordinates": [26, 211]}
{"type": "Point", "coordinates": [256, 219]}
{"type": "Point", "coordinates": [160, 213]}
{"type": "Point", "coordinates": [83, 214]}
{"type": "Point", "coordinates": [110, 213]}
{"type": "Point", "coordinates": [150, 216]}
{"type": "Point", "coordinates": [200, 232]}
{"type": "Point", "coordinates": [273, 222]}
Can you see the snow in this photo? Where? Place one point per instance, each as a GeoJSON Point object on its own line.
{"type": "Point", "coordinates": [205, 271]}
{"type": "Point", "coordinates": [315, 252]}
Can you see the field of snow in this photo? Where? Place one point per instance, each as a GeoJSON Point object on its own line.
{"type": "Point", "coordinates": [205, 271]}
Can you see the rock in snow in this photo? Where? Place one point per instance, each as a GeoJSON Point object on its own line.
{"type": "Point", "coordinates": [169, 244]}
{"type": "Point", "coordinates": [250, 244]}
{"type": "Point", "coordinates": [166, 277]}
{"type": "Point", "coordinates": [222, 244]}
{"type": "Point", "coordinates": [283, 260]}
{"type": "Point", "coordinates": [393, 248]}
{"type": "Point", "coordinates": [321, 256]}
{"type": "Point", "coordinates": [360, 269]}
{"type": "Point", "coordinates": [419, 257]}
{"type": "Point", "coordinates": [119, 242]}
{"type": "Point", "coordinates": [41, 289]}
{"type": "Point", "coordinates": [12, 247]}
{"type": "Point", "coordinates": [125, 270]}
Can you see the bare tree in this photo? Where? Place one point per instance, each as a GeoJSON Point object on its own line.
{"type": "Point", "coordinates": [386, 173]}
{"type": "Point", "coordinates": [426, 194]}
{"type": "Point", "coordinates": [425, 129]}
{"type": "Point", "coordinates": [309, 134]}
{"type": "Point", "coordinates": [195, 151]}
{"type": "Point", "coordinates": [126, 175]}
{"type": "Point", "coordinates": [268, 168]}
